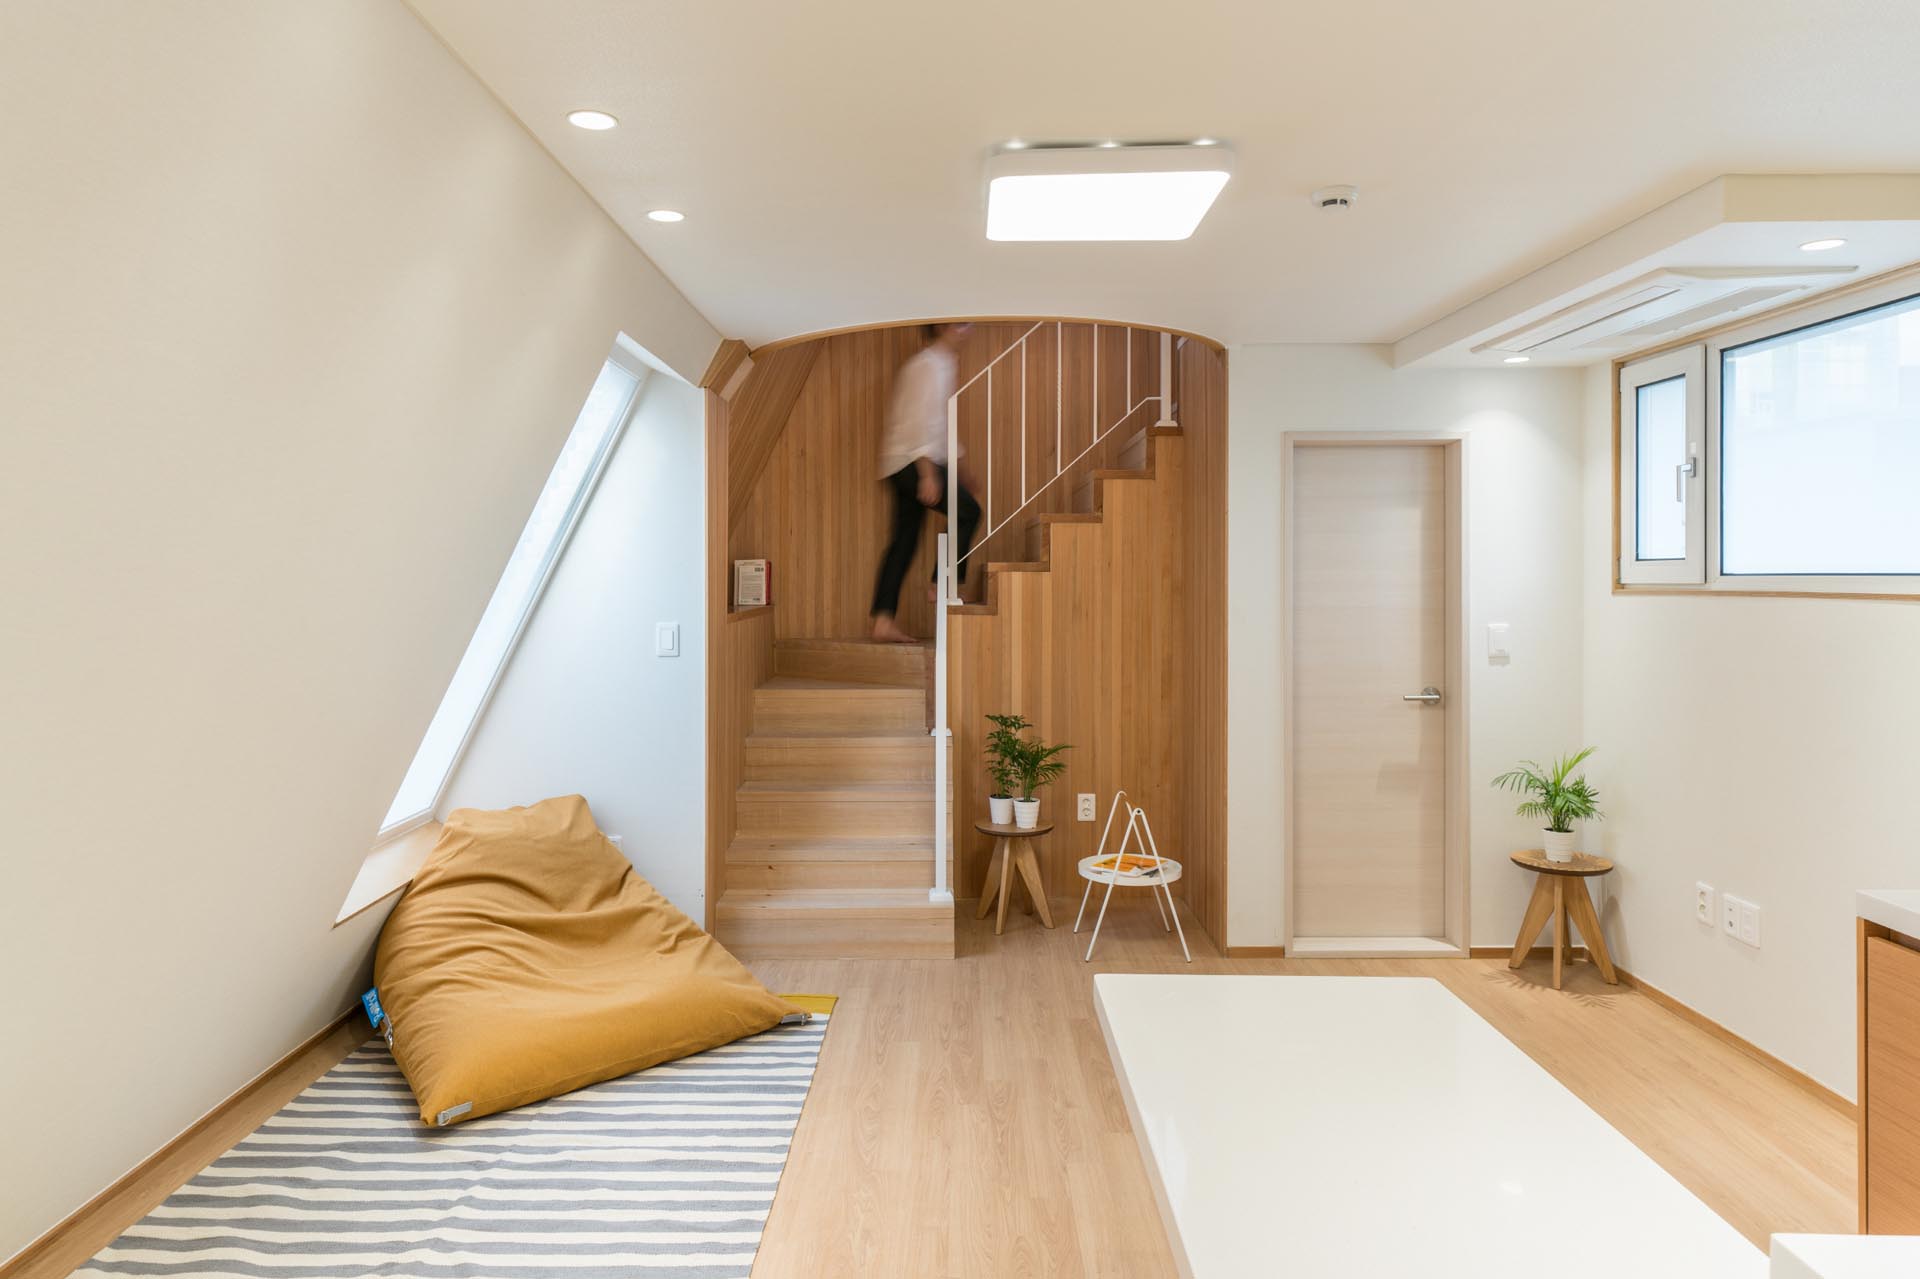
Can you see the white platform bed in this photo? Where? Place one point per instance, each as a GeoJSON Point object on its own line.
{"type": "Point", "coordinates": [1378, 1128]}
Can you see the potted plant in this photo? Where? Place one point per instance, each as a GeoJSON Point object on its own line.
{"type": "Point", "coordinates": [1035, 764]}
{"type": "Point", "coordinates": [1003, 745]}
{"type": "Point", "coordinates": [1558, 797]}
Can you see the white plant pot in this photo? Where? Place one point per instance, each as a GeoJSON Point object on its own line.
{"type": "Point", "coordinates": [1000, 807]}
{"type": "Point", "coordinates": [1026, 813]}
{"type": "Point", "coordinates": [1558, 845]}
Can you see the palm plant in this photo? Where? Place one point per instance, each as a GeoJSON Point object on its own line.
{"type": "Point", "coordinates": [1558, 798]}
{"type": "Point", "coordinates": [1035, 764]}
{"type": "Point", "coordinates": [1003, 747]}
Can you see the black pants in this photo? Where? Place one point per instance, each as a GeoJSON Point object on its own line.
{"type": "Point", "coordinates": [908, 515]}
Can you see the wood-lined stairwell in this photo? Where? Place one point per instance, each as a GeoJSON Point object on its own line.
{"type": "Point", "coordinates": [832, 853]}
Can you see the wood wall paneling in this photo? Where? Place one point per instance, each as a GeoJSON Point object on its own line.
{"type": "Point", "coordinates": [758, 418]}
{"type": "Point", "coordinates": [1200, 385]}
{"type": "Point", "coordinates": [1089, 651]}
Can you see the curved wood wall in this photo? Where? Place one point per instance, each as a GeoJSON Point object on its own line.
{"type": "Point", "coordinates": [807, 494]}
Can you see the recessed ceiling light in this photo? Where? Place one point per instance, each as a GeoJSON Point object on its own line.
{"type": "Point", "coordinates": [666, 215]}
{"type": "Point", "coordinates": [1821, 246]}
{"type": "Point", "coordinates": [1518, 359]}
{"type": "Point", "coordinates": [595, 120]}
{"type": "Point", "coordinates": [1013, 144]}
{"type": "Point", "coordinates": [1206, 142]}
{"type": "Point", "coordinates": [1109, 144]}
{"type": "Point", "coordinates": [1103, 193]}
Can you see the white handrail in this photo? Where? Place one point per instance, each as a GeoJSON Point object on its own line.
{"type": "Point", "coordinates": [947, 591]}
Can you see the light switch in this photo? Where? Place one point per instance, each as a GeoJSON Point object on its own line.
{"type": "Point", "coordinates": [1497, 642]}
{"type": "Point", "coordinates": [666, 639]}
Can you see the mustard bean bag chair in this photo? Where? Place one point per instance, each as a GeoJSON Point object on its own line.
{"type": "Point", "coordinates": [529, 958]}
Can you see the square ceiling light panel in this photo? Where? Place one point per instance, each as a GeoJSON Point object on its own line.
{"type": "Point", "coordinates": [1103, 193]}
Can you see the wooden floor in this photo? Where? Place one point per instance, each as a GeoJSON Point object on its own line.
{"type": "Point", "coordinates": [965, 1120]}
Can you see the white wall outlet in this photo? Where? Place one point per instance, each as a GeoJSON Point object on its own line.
{"type": "Point", "coordinates": [1730, 915]}
{"type": "Point", "coordinates": [1703, 903]}
{"type": "Point", "coordinates": [1750, 924]}
{"type": "Point", "coordinates": [666, 639]}
{"type": "Point", "coordinates": [1086, 808]}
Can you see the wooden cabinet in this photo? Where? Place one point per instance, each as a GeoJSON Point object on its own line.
{"type": "Point", "coordinates": [1889, 1112]}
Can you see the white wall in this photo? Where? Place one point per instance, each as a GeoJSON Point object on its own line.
{"type": "Point", "coordinates": [293, 320]}
{"type": "Point", "coordinates": [585, 705]}
{"type": "Point", "coordinates": [1766, 747]}
{"type": "Point", "coordinates": [1523, 542]}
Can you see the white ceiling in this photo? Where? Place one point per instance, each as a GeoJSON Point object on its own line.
{"type": "Point", "coordinates": [828, 155]}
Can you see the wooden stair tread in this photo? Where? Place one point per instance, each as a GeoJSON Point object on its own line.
{"type": "Point", "coordinates": [852, 645]}
{"type": "Point", "coordinates": [806, 684]}
{"type": "Point", "coordinates": [1018, 566]}
{"type": "Point", "coordinates": [852, 790]}
{"type": "Point", "coordinates": [850, 848]}
{"type": "Point", "coordinates": [828, 903]}
{"type": "Point", "coordinates": [801, 740]}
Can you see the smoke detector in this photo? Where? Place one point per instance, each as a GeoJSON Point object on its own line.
{"type": "Point", "coordinates": [1340, 197]}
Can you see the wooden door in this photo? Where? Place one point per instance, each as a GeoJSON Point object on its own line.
{"type": "Point", "coordinates": [1370, 592]}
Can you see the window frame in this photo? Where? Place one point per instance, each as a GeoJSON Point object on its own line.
{"type": "Point", "coordinates": [1710, 349]}
{"type": "Point", "coordinates": [583, 497]}
{"type": "Point", "coordinates": [1688, 364]}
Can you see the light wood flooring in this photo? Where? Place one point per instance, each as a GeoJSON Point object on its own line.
{"type": "Point", "coordinates": [965, 1120]}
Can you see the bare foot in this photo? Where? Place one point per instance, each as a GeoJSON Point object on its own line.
{"type": "Point", "coordinates": [887, 631]}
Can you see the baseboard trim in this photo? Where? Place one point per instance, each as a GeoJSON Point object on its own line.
{"type": "Point", "coordinates": [1538, 952]}
{"type": "Point", "coordinates": [1254, 952]}
{"type": "Point", "coordinates": [103, 1218]}
{"type": "Point", "coordinates": [1690, 1014]}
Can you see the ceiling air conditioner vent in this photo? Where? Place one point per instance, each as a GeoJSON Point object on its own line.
{"type": "Point", "coordinates": [1665, 302]}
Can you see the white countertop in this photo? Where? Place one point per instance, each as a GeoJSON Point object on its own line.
{"type": "Point", "coordinates": [1845, 1257]}
{"type": "Point", "coordinates": [1378, 1128]}
{"type": "Point", "coordinates": [1895, 908]}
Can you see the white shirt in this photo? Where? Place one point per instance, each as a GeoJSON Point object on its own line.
{"type": "Point", "coordinates": [917, 413]}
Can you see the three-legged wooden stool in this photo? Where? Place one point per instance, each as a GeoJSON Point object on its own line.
{"type": "Point", "coordinates": [1012, 848]}
{"type": "Point", "coordinates": [1560, 891]}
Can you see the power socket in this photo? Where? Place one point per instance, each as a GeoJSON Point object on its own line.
{"type": "Point", "coordinates": [1703, 903]}
{"type": "Point", "coordinates": [1085, 809]}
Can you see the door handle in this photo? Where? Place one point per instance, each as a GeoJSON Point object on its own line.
{"type": "Point", "coordinates": [1430, 695]}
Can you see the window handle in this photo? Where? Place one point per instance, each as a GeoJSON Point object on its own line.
{"type": "Point", "coordinates": [1681, 474]}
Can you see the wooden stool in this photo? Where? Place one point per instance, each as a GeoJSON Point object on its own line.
{"type": "Point", "coordinates": [1559, 891]}
{"type": "Point", "coordinates": [1012, 847]}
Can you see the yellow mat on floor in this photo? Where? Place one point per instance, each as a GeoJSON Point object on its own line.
{"type": "Point", "coordinates": [813, 1003]}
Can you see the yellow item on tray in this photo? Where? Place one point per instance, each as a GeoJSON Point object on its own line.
{"type": "Point", "coordinates": [529, 958]}
{"type": "Point", "coordinates": [1127, 863]}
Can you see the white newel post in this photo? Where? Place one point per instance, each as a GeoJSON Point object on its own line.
{"type": "Point", "coordinates": [1166, 381]}
{"type": "Point", "coordinates": [942, 735]}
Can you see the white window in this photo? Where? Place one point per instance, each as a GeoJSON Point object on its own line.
{"type": "Point", "coordinates": [1662, 499]}
{"type": "Point", "coordinates": [1783, 456]}
{"type": "Point", "coordinates": [609, 405]}
{"type": "Point", "coordinates": [1819, 449]}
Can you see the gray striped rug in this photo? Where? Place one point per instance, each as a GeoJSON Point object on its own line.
{"type": "Point", "coordinates": [667, 1172]}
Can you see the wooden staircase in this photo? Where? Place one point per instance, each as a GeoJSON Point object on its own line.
{"type": "Point", "coordinates": [832, 854]}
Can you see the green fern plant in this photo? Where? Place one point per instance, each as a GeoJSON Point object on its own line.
{"type": "Point", "coordinates": [1559, 799]}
